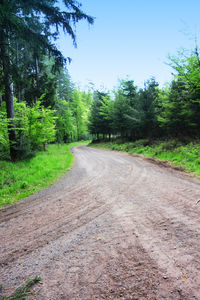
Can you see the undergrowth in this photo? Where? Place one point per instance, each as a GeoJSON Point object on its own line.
{"type": "Point", "coordinates": [23, 291]}
{"type": "Point", "coordinates": [23, 178]}
{"type": "Point", "coordinates": [185, 155]}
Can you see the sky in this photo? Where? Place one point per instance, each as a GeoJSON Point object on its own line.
{"type": "Point", "coordinates": [130, 39]}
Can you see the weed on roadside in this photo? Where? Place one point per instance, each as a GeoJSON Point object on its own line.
{"type": "Point", "coordinates": [184, 155]}
{"type": "Point", "coordinates": [23, 178]}
{"type": "Point", "coordinates": [23, 291]}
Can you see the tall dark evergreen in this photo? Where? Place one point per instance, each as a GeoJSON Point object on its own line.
{"type": "Point", "coordinates": [185, 93]}
{"type": "Point", "coordinates": [37, 25]}
{"type": "Point", "coordinates": [121, 112]}
{"type": "Point", "coordinates": [146, 107]}
{"type": "Point", "coordinates": [128, 90]}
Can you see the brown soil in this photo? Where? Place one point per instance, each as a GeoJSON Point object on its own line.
{"type": "Point", "coordinates": [114, 227]}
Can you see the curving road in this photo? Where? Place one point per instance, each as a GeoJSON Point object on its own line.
{"type": "Point", "coordinates": [115, 227]}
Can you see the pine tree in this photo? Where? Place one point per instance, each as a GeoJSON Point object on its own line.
{"type": "Point", "coordinates": [37, 23]}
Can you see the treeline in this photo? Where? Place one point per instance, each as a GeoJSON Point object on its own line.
{"type": "Point", "coordinates": [151, 112]}
{"type": "Point", "coordinates": [38, 102]}
{"type": "Point", "coordinates": [36, 125]}
{"type": "Point", "coordinates": [59, 115]}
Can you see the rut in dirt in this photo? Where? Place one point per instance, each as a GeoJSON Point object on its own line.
{"type": "Point", "coordinates": [115, 227]}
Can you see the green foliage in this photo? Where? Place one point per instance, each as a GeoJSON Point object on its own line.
{"type": "Point", "coordinates": [79, 114]}
{"type": "Point", "coordinates": [150, 112]}
{"type": "Point", "coordinates": [124, 112]}
{"type": "Point", "coordinates": [132, 113]}
{"type": "Point", "coordinates": [184, 98]}
{"type": "Point", "coordinates": [27, 32]}
{"type": "Point", "coordinates": [37, 125]}
{"type": "Point", "coordinates": [106, 111]}
{"type": "Point", "coordinates": [128, 90]}
{"type": "Point", "coordinates": [187, 67]}
{"type": "Point", "coordinates": [121, 115]}
{"type": "Point", "coordinates": [146, 107]}
{"type": "Point", "coordinates": [97, 124]}
{"type": "Point", "coordinates": [72, 116]}
{"type": "Point", "coordinates": [24, 290]}
{"type": "Point", "coordinates": [177, 116]}
{"type": "Point", "coordinates": [37, 23]}
{"type": "Point", "coordinates": [65, 128]}
{"type": "Point", "coordinates": [4, 142]}
{"type": "Point", "coordinates": [35, 128]}
{"type": "Point", "coordinates": [65, 86]}
{"type": "Point", "coordinates": [41, 126]}
{"type": "Point", "coordinates": [178, 154]}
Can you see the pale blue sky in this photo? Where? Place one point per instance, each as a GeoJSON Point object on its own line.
{"type": "Point", "coordinates": [131, 38]}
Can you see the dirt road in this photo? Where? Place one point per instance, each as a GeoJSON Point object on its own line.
{"type": "Point", "coordinates": [115, 227]}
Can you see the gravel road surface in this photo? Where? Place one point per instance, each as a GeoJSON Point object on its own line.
{"type": "Point", "coordinates": [114, 227]}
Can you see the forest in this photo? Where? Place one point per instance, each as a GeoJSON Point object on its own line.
{"type": "Point", "coordinates": [152, 112]}
{"type": "Point", "coordinates": [39, 104]}
{"type": "Point", "coordinates": [115, 225]}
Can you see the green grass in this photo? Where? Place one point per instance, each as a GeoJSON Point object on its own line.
{"type": "Point", "coordinates": [23, 178]}
{"type": "Point", "coordinates": [186, 156]}
{"type": "Point", "coordinates": [23, 291]}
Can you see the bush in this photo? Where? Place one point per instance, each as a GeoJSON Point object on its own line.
{"type": "Point", "coordinates": [35, 127]}
{"type": "Point", "coordinates": [170, 145]}
{"type": "Point", "coordinates": [141, 143]}
{"type": "Point", "coordinates": [4, 143]}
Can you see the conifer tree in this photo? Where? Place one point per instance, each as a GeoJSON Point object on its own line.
{"type": "Point", "coordinates": [37, 24]}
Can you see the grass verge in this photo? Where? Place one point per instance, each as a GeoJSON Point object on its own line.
{"type": "Point", "coordinates": [23, 178]}
{"type": "Point", "coordinates": [22, 291]}
{"type": "Point", "coordinates": [176, 153]}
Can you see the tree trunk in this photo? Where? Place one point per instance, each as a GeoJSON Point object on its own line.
{"type": "Point", "coordinates": [10, 115]}
{"type": "Point", "coordinates": [8, 93]}
{"type": "Point", "coordinates": [37, 77]}
{"type": "Point", "coordinates": [18, 87]}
